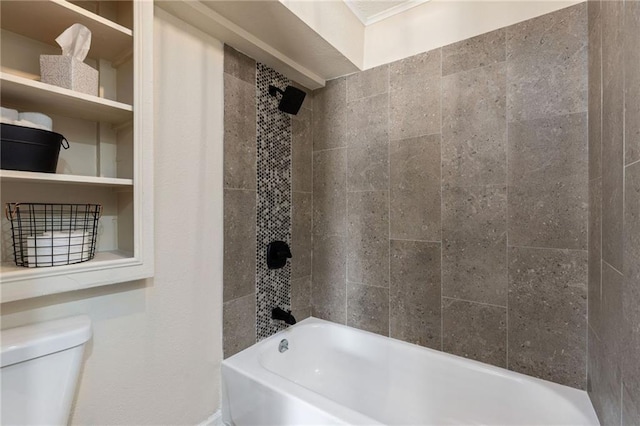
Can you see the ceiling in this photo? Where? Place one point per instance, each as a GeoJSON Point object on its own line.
{"type": "Point", "coordinates": [372, 11]}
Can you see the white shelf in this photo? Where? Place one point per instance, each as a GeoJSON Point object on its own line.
{"type": "Point", "coordinates": [33, 177]}
{"type": "Point", "coordinates": [45, 20]}
{"type": "Point", "coordinates": [35, 95]}
{"type": "Point", "coordinates": [22, 283]}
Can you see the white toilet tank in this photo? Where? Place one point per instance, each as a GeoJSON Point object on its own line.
{"type": "Point", "coordinates": [40, 367]}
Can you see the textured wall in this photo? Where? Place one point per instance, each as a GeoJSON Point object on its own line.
{"type": "Point", "coordinates": [614, 225]}
{"type": "Point", "coordinates": [450, 198]}
{"type": "Point", "coordinates": [156, 349]}
{"type": "Point", "coordinates": [275, 149]}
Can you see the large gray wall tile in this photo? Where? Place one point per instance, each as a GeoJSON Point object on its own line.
{"type": "Point", "coordinates": [364, 84]}
{"type": "Point", "coordinates": [239, 243]}
{"type": "Point", "coordinates": [605, 372]}
{"type": "Point", "coordinates": [548, 149]}
{"type": "Point", "coordinates": [604, 383]}
{"type": "Point", "coordinates": [475, 331]}
{"type": "Point", "coordinates": [414, 100]}
{"type": "Point", "coordinates": [301, 150]}
{"type": "Point", "coordinates": [328, 289]}
{"type": "Point", "coordinates": [421, 67]}
{"type": "Point", "coordinates": [301, 217]}
{"type": "Point", "coordinates": [301, 295]}
{"type": "Point", "coordinates": [415, 192]}
{"type": "Point", "coordinates": [415, 293]}
{"type": "Point", "coordinates": [553, 216]}
{"type": "Point", "coordinates": [548, 182]}
{"type": "Point", "coordinates": [595, 253]}
{"type": "Point", "coordinates": [368, 238]}
{"type": "Point", "coordinates": [239, 65]}
{"type": "Point", "coordinates": [547, 314]}
{"type": "Point", "coordinates": [329, 192]}
{"type": "Point", "coordinates": [239, 133]}
{"type": "Point", "coordinates": [368, 136]}
{"type": "Point", "coordinates": [612, 132]}
{"type": "Point", "coordinates": [595, 89]}
{"type": "Point", "coordinates": [368, 308]}
{"type": "Point", "coordinates": [239, 324]}
{"type": "Point", "coordinates": [474, 244]}
{"type": "Point", "coordinates": [330, 115]}
{"type": "Point", "coordinates": [631, 296]}
{"type": "Point", "coordinates": [474, 52]}
{"type": "Point", "coordinates": [552, 44]}
{"type": "Point", "coordinates": [368, 120]}
{"type": "Point", "coordinates": [632, 81]}
{"type": "Point", "coordinates": [368, 168]}
{"type": "Point", "coordinates": [328, 293]}
{"type": "Point", "coordinates": [474, 127]}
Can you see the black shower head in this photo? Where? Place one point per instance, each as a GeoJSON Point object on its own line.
{"type": "Point", "coordinates": [292, 99]}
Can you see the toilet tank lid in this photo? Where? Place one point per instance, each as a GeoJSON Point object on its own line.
{"type": "Point", "coordinates": [32, 341]}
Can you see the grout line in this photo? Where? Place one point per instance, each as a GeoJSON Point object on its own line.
{"type": "Point", "coordinates": [504, 61]}
{"type": "Point", "coordinates": [365, 284]}
{"type": "Point", "coordinates": [346, 220]}
{"type": "Point", "coordinates": [329, 149]}
{"type": "Point", "coordinates": [547, 248]}
{"type": "Point", "coordinates": [240, 189]}
{"type": "Point", "coordinates": [417, 241]}
{"type": "Point", "coordinates": [312, 215]}
{"type": "Point", "coordinates": [441, 216]}
{"type": "Point", "coordinates": [412, 137]}
{"type": "Point", "coordinates": [506, 144]}
{"type": "Point", "coordinates": [389, 182]}
{"type": "Point", "coordinates": [609, 265]}
{"type": "Point", "coordinates": [474, 302]}
{"type": "Point", "coordinates": [366, 190]}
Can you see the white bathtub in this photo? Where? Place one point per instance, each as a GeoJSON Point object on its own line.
{"type": "Point", "coordinates": [332, 374]}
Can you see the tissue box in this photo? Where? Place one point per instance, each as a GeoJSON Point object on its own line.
{"type": "Point", "coordinates": [70, 73]}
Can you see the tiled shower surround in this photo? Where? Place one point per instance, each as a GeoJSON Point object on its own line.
{"type": "Point", "coordinates": [454, 199]}
{"type": "Point", "coordinates": [276, 149]}
{"type": "Point", "coordinates": [450, 198]}
{"type": "Point", "coordinates": [614, 225]}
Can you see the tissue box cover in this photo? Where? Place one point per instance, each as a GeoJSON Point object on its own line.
{"type": "Point", "coordinates": [70, 73]}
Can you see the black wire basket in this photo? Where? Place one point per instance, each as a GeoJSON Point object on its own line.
{"type": "Point", "coordinates": [46, 235]}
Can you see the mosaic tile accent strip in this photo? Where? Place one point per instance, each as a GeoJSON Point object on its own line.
{"type": "Point", "coordinates": [273, 199]}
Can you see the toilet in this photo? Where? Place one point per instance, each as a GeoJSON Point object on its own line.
{"type": "Point", "coordinates": [40, 368]}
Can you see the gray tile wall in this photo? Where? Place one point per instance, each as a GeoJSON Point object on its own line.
{"type": "Point", "coordinates": [240, 197]}
{"type": "Point", "coordinates": [614, 210]}
{"type": "Point", "coordinates": [450, 198]}
{"type": "Point", "coordinates": [239, 264]}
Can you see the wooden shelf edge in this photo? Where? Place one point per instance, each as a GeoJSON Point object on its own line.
{"type": "Point", "coordinates": [92, 16]}
{"type": "Point", "coordinates": [105, 269]}
{"type": "Point", "coordinates": [27, 83]}
{"type": "Point", "coordinates": [34, 177]}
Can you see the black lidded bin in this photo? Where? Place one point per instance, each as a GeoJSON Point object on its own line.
{"type": "Point", "coordinates": [31, 150]}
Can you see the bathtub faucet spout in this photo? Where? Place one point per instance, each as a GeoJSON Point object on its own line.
{"type": "Point", "coordinates": [280, 314]}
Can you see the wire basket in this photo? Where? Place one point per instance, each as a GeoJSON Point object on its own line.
{"type": "Point", "coordinates": [53, 234]}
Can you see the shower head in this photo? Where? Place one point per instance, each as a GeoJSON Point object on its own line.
{"type": "Point", "coordinates": [291, 98]}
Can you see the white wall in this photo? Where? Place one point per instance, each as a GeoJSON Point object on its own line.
{"type": "Point", "coordinates": [441, 22]}
{"type": "Point", "coordinates": [156, 350]}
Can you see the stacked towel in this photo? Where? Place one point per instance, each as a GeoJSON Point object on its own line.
{"type": "Point", "coordinates": [58, 248]}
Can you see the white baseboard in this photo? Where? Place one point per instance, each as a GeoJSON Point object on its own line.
{"type": "Point", "coordinates": [213, 420]}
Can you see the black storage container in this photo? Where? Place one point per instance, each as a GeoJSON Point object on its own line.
{"type": "Point", "coordinates": [31, 150]}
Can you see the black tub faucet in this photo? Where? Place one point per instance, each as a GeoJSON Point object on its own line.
{"type": "Point", "coordinates": [282, 315]}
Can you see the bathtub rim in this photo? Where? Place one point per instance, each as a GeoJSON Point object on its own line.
{"type": "Point", "coordinates": [248, 363]}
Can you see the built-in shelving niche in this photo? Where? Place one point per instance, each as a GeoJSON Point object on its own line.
{"type": "Point", "coordinates": [109, 161]}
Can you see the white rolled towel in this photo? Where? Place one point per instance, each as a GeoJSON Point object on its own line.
{"type": "Point", "coordinates": [9, 116]}
{"type": "Point", "coordinates": [57, 248]}
{"type": "Point", "coordinates": [39, 120]}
